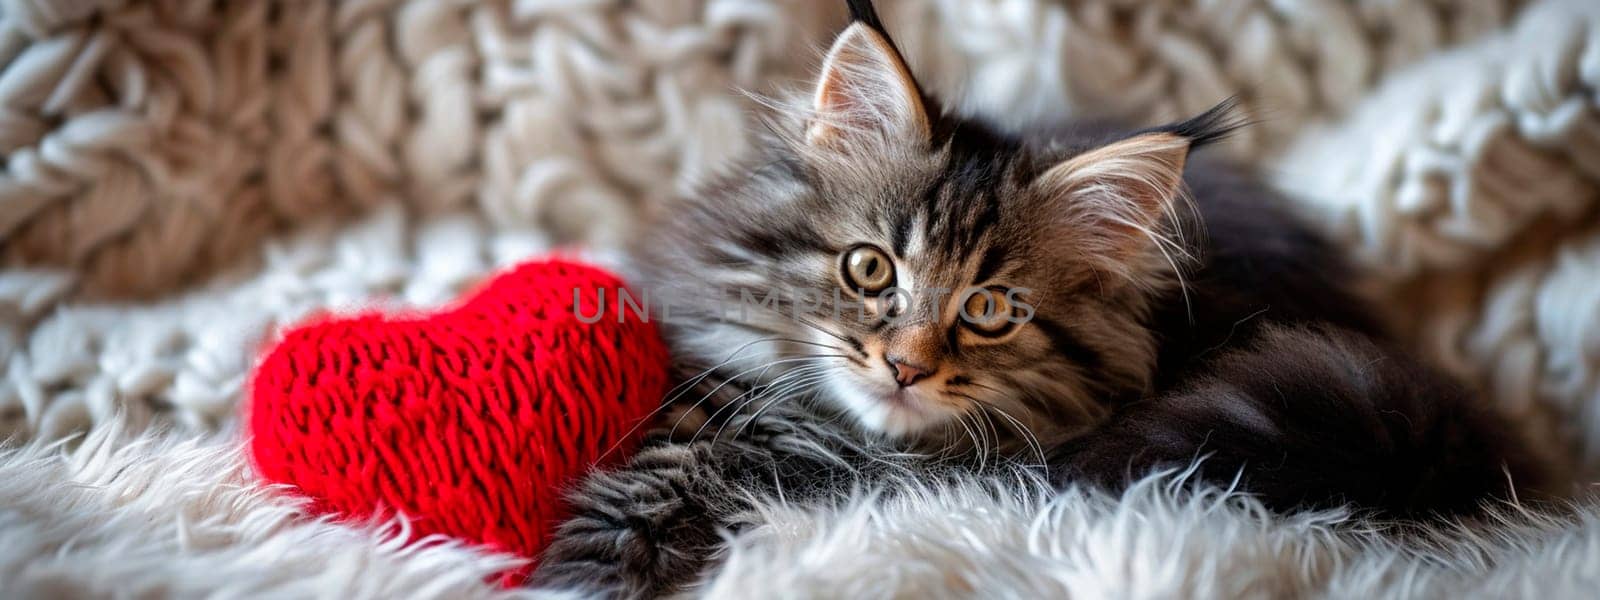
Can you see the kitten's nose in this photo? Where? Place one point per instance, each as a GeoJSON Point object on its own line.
{"type": "Point", "coordinates": [904, 372]}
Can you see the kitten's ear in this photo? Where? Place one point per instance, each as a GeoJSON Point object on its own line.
{"type": "Point", "coordinates": [865, 89]}
{"type": "Point", "coordinates": [1119, 200]}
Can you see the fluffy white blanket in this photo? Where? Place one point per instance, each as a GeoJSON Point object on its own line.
{"type": "Point", "coordinates": [179, 516]}
{"type": "Point", "coordinates": [182, 177]}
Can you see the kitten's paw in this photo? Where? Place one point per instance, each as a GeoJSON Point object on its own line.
{"type": "Point", "coordinates": [639, 532]}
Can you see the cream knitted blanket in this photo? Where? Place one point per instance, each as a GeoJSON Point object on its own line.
{"type": "Point", "coordinates": [181, 177]}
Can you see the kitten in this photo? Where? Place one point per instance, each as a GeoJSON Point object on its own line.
{"type": "Point", "coordinates": [1090, 298]}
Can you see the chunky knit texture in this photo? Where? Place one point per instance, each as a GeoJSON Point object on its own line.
{"type": "Point", "coordinates": [194, 155]}
{"type": "Point", "coordinates": [470, 422]}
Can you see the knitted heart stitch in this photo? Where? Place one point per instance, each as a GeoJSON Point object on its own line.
{"type": "Point", "coordinates": [469, 422]}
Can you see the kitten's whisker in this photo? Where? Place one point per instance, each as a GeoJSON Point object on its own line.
{"type": "Point", "coordinates": [1002, 449]}
{"type": "Point", "coordinates": [1021, 429]}
{"type": "Point", "coordinates": [824, 331]}
{"type": "Point", "coordinates": [832, 453]}
{"type": "Point", "coordinates": [792, 388]}
{"type": "Point", "coordinates": [961, 419]}
{"type": "Point", "coordinates": [994, 433]}
{"type": "Point", "coordinates": [994, 436]}
{"type": "Point", "coordinates": [1027, 435]}
{"type": "Point", "coordinates": [776, 401]}
{"type": "Point", "coordinates": [672, 394]}
{"type": "Point", "coordinates": [758, 328]}
{"type": "Point", "coordinates": [947, 433]}
{"type": "Point", "coordinates": [981, 452]}
{"type": "Point", "coordinates": [980, 386]}
{"type": "Point", "coordinates": [737, 376]}
{"type": "Point", "coordinates": [692, 381]}
{"type": "Point", "coordinates": [755, 392]}
{"type": "Point", "coordinates": [758, 390]}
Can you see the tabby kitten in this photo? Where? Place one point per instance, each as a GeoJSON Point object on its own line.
{"type": "Point", "coordinates": [912, 284]}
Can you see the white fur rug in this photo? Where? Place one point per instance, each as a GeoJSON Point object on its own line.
{"type": "Point", "coordinates": [183, 177]}
{"type": "Point", "coordinates": [178, 516]}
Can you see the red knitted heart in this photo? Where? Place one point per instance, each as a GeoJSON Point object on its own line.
{"type": "Point", "coordinates": [469, 422]}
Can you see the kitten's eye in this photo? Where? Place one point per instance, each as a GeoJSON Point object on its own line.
{"type": "Point", "coordinates": [868, 269]}
{"type": "Point", "coordinates": [988, 313]}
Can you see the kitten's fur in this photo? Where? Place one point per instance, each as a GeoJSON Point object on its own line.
{"type": "Point", "coordinates": [1165, 331]}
